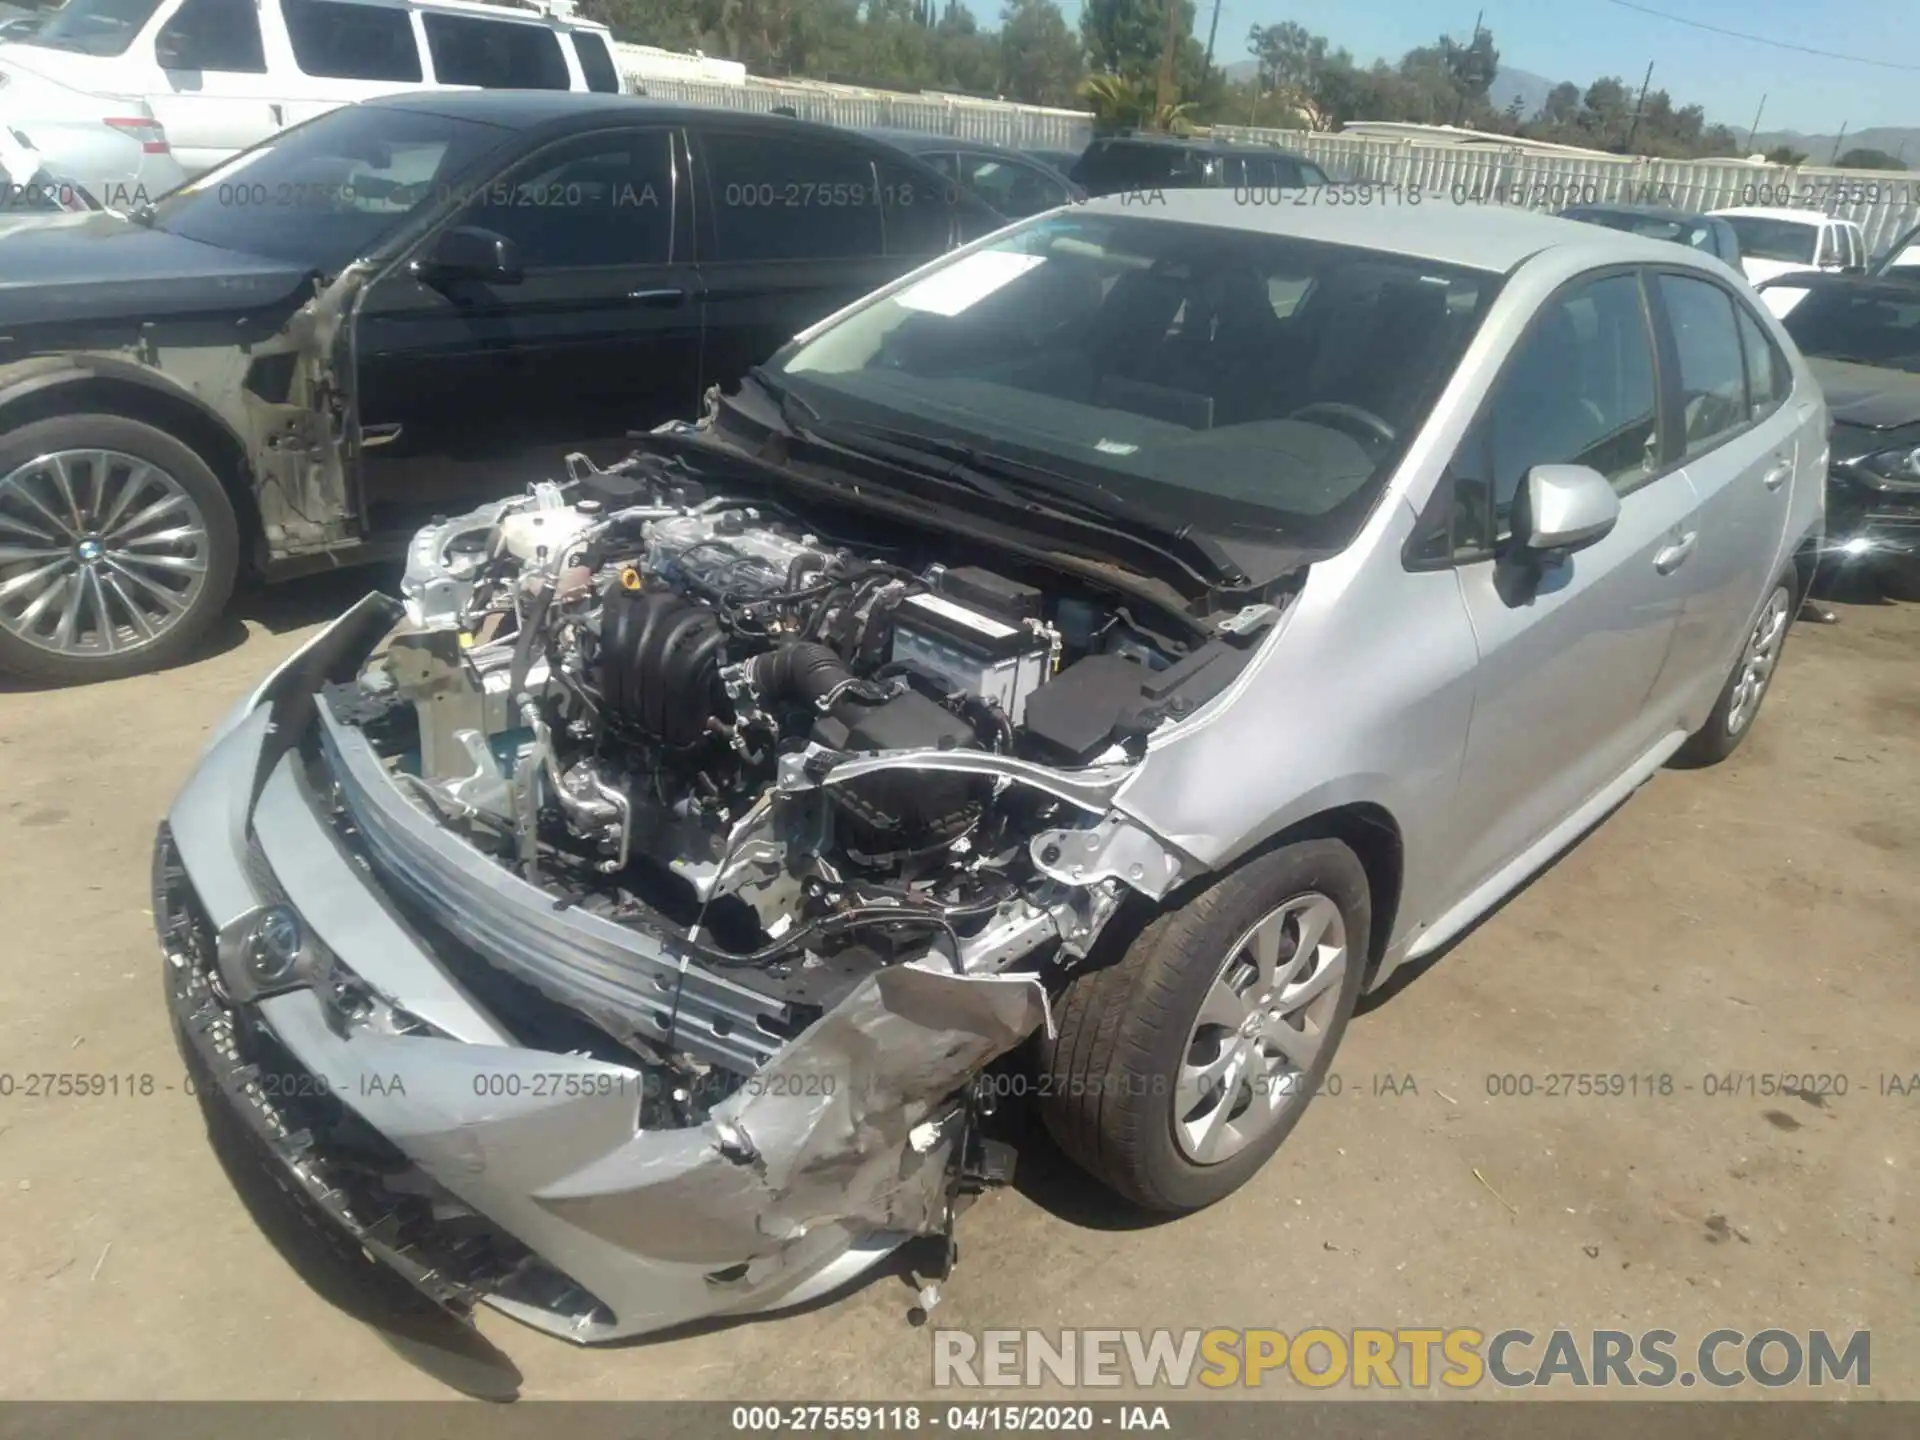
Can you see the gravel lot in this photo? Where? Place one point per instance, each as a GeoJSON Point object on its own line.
{"type": "Point", "coordinates": [1760, 919]}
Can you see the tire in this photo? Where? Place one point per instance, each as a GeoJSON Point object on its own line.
{"type": "Point", "coordinates": [125, 608]}
{"type": "Point", "coordinates": [1112, 1093]}
{"type": "Point", "coordinates": [1731, 720]}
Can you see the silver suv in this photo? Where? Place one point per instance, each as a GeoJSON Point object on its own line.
{"type": "Point", "coordinates": [1142, 631]}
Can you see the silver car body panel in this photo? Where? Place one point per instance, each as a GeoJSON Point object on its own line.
{"type": "Point", "coordinates": [840, 1148]}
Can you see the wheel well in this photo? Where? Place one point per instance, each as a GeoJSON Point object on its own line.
{"type": "Point", "coordinates": [1805, 561]}
{"type": "Point", "coordinates": [192, 427]}
{"type": "Point", "coordinates": [1374, 837]}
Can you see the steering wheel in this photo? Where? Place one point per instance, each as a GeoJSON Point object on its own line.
{"type": "Point", "coordinates": [1354, 419]}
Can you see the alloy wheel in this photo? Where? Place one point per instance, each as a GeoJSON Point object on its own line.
{"type": "Point", "coordinates": [1757, 661]}
{"type": "Point", "coordinates": [101, 552]}
{"type": "Point", "coordinates": [1261, 1027]}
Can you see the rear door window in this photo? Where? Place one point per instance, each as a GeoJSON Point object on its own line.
{"type": "Point", "coordinates": [1768, 378]}
{"type": "Point", "coordinates": [1706, 341]}
{"type": "Point", "coordinates": [918, 213]}
{"type": "Point", "coordinates": [351, 42]}
{"type": "Point", "coordinates": [1012, 187]}
{"type": "Point", "coordinates": [596, 62]}
{"type": "Point", "coordinates": [781, 199]}
{"type": "Point", "coordinates": [495, 54]}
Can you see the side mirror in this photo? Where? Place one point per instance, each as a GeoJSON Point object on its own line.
{"type": "Point", "coordinates": [1560, 509]}
{"type": "Point", "coordinates": [167, 52]}
{"type": "Point", "coordinates": [467, 252]}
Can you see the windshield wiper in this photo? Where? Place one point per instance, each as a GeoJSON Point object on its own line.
{"type": "Point", "coordinates": [999, 477]}
{"type": "Point", "coordinates": [1057, 489]}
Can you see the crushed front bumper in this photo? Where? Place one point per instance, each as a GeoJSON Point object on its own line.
{"type": "Point", "coordinates": [486, 1171]}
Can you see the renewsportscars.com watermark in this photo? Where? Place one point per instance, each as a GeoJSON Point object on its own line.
{"type": "Point", "coordinates": [1405, 1358]}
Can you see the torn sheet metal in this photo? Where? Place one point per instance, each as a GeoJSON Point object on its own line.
{"type": "Point", "coordinates": [824, 1133]}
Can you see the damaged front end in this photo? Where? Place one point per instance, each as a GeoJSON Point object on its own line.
{"type": "Point", "coordinates": [615, 939]}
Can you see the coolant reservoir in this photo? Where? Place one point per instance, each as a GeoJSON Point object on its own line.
{"type": "Point", "coordinates": [544, 529]}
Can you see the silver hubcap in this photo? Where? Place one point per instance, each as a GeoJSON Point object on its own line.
{"type": "Point", "coordinates": [1261, 1027]}
{"type": "Point", "coordinates": [100, 552]}
{"type": "Point", "coordinates": [1757, 661]}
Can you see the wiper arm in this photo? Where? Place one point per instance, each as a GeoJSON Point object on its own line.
{"type": "Point", "coordinates": [903, 449]}
{"type": "Point", "coordinates": [1093, 499]}
{"type": "Point", "coordinates": [999, 477]}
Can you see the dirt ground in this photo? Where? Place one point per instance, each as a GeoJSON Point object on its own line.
{"type": "Point", "coordinates": [1757, 919]}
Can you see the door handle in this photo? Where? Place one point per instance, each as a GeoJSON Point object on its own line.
{"type": "Point", "coordinates": [1670, 559]}
{"type": "Point", "coordinates": [662, 299]}
{"type": "Point", "coordinates": [1777, 476]}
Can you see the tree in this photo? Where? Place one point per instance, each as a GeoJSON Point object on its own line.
{"type": "Point", "coordinates": [1865, 157]}
{"type": "Point", "coordinates": [1605, 110]}
{"type": "Point", "coordinates": [1786, 155]}
{"type": "Point", "coordinates": [1127, 37]}
{"type": "Point", "coordinates": [1562, 106]}
{"type": "Point", "coordinates": [1039, 56]}
{"type": "Point", "coordinates": [1289, 57]}
{"type": "Point", "coordinates": [1471, 66]}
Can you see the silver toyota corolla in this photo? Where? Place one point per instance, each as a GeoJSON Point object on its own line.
{"type": "Point", "coordinates": [1107, 651]}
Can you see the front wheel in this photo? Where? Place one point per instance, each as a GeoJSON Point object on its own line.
{"type": "Point", "coordinates": [1180, 1068]}
{"type": "Point", "coordinates": [118, 548]}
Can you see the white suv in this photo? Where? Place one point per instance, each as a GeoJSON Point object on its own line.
{"type": "Point", "coordinates": [221, 75]}
{"type": "Point", "coordinates": [1779, 242]}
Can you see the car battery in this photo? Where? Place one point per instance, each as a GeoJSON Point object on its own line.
{"type": "Point", "coordinates": [971, 651]}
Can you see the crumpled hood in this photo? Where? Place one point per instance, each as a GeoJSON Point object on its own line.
{"type": "Point", "coordinates": [1867, 396]}
{"type": "Point", "coordinates": [104, 266]}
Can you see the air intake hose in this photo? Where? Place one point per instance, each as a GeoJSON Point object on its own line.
{"type": "Point", "coordinates": [805, 671]}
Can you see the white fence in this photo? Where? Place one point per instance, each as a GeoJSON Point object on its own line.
{"type": "Point", "coordinates": [1002, 122]}
{"type": "Point", "coordinates": [1883, 203]}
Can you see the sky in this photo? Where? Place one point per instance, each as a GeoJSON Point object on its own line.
{"type": "Point", "coordinates": [1581, 40]}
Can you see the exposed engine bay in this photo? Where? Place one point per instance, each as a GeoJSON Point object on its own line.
{"type": "Point", "coordinates": [795, 760]}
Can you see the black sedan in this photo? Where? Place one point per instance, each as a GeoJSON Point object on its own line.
{"type": "Point", "coordinates": [298, 357]}
{"type": "Point", "coordinates": [1012, 182]}
{"type": "Point", "coordinates": [1682, 227]}
{"type": "Point", "coordinates": [1861, 336]}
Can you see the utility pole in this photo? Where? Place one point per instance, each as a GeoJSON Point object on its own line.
{"type": "Point", "coordinates": [1754, 130]}
{"type": "Point", "coordinates": [1213, 29]}
{"type": "Point", "coordinates": [1633, 125]}
{"type": "Point", "coordinates": [1839, 140]}
{"type": "Point", "coordinates": [1163, 95]}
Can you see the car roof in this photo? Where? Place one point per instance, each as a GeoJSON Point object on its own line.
{"type": "Point", "coordinates": [921, 141]}
{"type": "Point", "coordinates": [1649, 212]}
{"type": "Point", "coordinates": [1490, 238]}
{"type": "Point", "coordinates": [1776, 212]}
{"type": "Point", "coordinates": [1219, 144]}
{"type": "Point", "coordinates": [563, 110]}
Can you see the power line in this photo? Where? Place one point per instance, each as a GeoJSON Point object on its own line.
{"type": "Point", "coordinates": [1761, 39]}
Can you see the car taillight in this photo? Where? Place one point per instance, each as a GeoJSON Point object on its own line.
{"type": "Point", "coordinates": [153, 140]}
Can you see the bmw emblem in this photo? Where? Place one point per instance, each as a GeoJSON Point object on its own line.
{"type": "Point", "coordinates": [277, 942]}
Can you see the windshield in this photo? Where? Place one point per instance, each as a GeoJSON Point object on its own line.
{"type": "Point", "coordinates": [1762, 238]}
{"type": "Point", "coordinates": [1877, 325]}
{"type": "Point", "coordinates": [94, 27]}
{"type": "Point", "coordinates": [1233, 379]}
{"type": "Point", "coordinates": [326, 192]}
